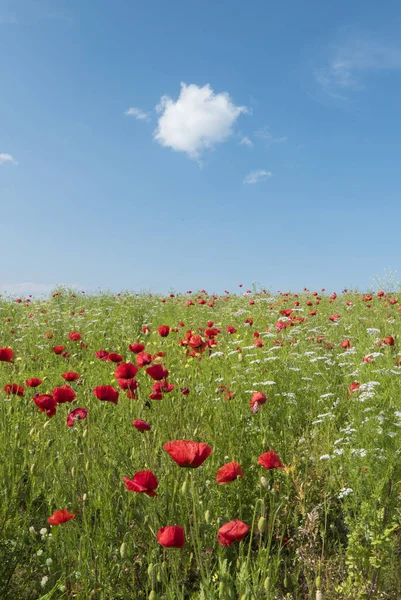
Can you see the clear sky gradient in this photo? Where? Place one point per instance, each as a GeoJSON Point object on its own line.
{"type": "Point", "coordinates": [279, 160]}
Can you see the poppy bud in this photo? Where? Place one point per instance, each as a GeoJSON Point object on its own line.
{"type": "Point", "coordinates": [266, 584]}
{"type": "Point", "coordinates": [32, 467]}
{"type": "Point", "coordinates": [207, 516]}
{"type": "Point", "coordinates": [319, 595]}
{"type": "Point", "coordinates": [184, 487]}
{"type": "Point", "coordinates": [264, 482]}
{"type": "Point", "coordinates": [152, 595]}
{"type": "Point", "coordinates": [318, 582]}
{"type": "Point", "coordinates": [150, 570]}
{"type": "Point", "coordinates": [261, 525]}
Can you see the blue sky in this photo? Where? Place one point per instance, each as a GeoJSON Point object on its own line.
{"type": "Point", "coordinates": [180, 145]}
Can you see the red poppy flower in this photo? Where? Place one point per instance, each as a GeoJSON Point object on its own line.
{"type": "Point", "coordinates": [234, 531]}
{"type": "Point", "coordinates": [270, 460]}
{"type": "Point", "coordinates": [211, 333]}
{"type": "Point", "coordinates": [143, 359]}
{"type": "Point", "coordinates": [128, 384]}
{"type": "Point", "coordinates": [46, 403]}
{"type": "Point", "coordinates": [258, 399]}
{"type": "Point", "coordinates": [136, 348]}
{"type": "Point", "coordinates": [143, 481]}
{"type": "Point", "coordinates": [354, 386]}
{"type": "Point", "coordinates": [171, 536]}
{"type": "Point", "coordinates": [125, 371]}
{"type": "Point", "coordinates": [162, 386]}
{"type": "Point", "coordinates": [334, 318]}
{"type": "Point", "coordinates": [6, 355]}
{"type": "Point", "coordinates": [381, 293]}
{"type": "Point", "coordinates": [74, 336]}
{"type": "Point", "coordinates": [13, 389]}
{"type": "Point", "coordinates": [230, 329]}
{"type": "Point", "coordinates": [107, 393]}
{"type": "Point", "coordinates": [58, 349]}
{"type": "Point", "coordinates": [71, 376]}
{"type": "Point", "coordinates": [258, 343]}
{"type": "Point", "coordinates": [114, 357]}
{"type": "Point", "coordinates": [156, 396]}
{"type": "Point", "coordinates": [187, 453]}
{"type": "Point", "coordinates": [63, 394]}
{"type": "Point", "coordinates": [389, 341]}
{"type": "Point", "coordinates": [312, 313]}
{"type": "Point", "coordinates": [185, 391]}
{"type": "Point", "coordinates": [74, 415]}
{"type": "Point", "coordinates": [346, 344]}
{"type": "Point", "coordinates": [146, 329]}
{"type": "Point", "coordinates": [60, 516]}
{"type": "Point", "coordinates": [102, 354]}
{"type": "Point", "coordinates": [195, 341]}
{"type": "Point", "coordinates": [157, 372]}
{"type": "Point", "coordinates": [33, 382]}
{"type": "Point", "coordinates": [248, 321]}
{"type": "Point", "coordinates": [163, 330]}
{"type": "Point", "coordinates": [229, 472]}
{"type": "Point", "coordinates": [141, 425]}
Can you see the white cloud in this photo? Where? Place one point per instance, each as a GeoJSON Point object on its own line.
{"type": "Point", "coordinates": [256, 176]}
{"type": "Point", "coordinates": [137, 113]}
{"type": "Point", "coordinates": [197, 120]}
{"type": "Point", "coordinates": [7, 158]}
{"type": "Point", "coordinates": [352, 60]}
{"type": "Point", "coordinates": [246, 141]}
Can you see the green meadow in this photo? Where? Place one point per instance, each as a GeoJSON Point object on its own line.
{"type": "Point", "coordinates": [325, 523]}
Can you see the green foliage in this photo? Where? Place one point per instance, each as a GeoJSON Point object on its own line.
{"type": "Point", "coordinates": [328, 524]}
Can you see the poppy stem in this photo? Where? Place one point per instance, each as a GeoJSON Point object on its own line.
{"type": "Point", "coordinates": [195, 530]}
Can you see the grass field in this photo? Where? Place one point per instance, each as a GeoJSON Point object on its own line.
{"type": "Point", "coordinates": [320, 517]}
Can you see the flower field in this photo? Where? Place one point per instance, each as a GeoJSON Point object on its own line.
{"type": "Point", "coordinates": [243, 446]}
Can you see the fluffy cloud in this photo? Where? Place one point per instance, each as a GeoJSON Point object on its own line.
{"type": "Point", "coordinates": [137, 113]}
{"type": "Point", "coordinates": [256, 176]}
{"type": "Point", "coordinates": [197, 120]}
{"type": "Point", "coordinates": [7, 158]}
